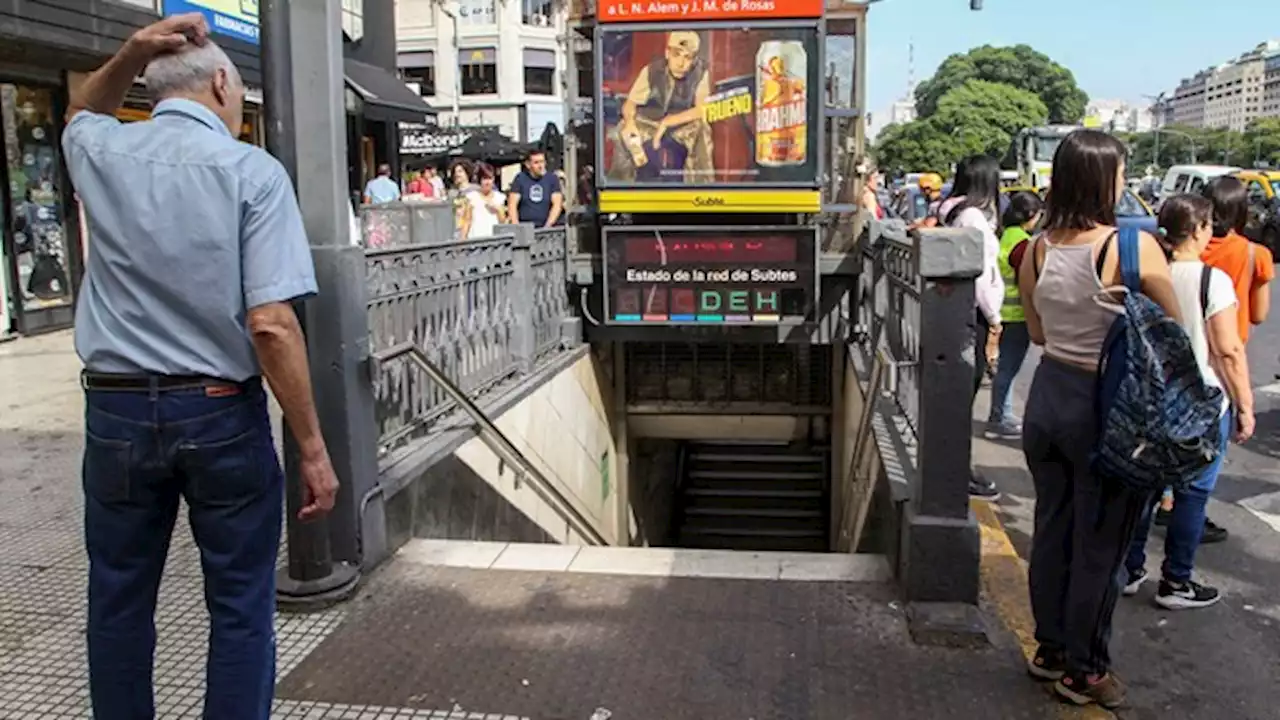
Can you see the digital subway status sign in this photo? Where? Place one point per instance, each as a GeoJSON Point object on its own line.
{"type": "Point", "coordinates": [695, 276]}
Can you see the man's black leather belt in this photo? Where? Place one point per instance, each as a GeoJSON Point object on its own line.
{"type": "Point", "coordinates": [108, 381]}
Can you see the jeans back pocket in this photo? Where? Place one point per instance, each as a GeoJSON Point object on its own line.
{"type": "Point", "coordinates": [107, 469]}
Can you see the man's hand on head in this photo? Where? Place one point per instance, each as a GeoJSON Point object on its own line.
{"type": "Point", "coordinates": [170, 34]}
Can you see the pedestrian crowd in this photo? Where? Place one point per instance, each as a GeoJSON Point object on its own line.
{"type": "Point", "coordinates": [535, 196]}
{"type": "Point", "coordinates": [1143, 384]}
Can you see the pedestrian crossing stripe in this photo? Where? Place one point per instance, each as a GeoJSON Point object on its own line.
{"type": "Point", "coordinates": [1272, 389]}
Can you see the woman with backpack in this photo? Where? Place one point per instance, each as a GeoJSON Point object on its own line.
{"type": "Point", "coordinates": [973, 202]}
{"type": "Point", "coordinates": [1208, 303]}
{"type": "Point", "coordinates": [1083, 525]}
{"type": "Point", "coordinates": [1020, 218]}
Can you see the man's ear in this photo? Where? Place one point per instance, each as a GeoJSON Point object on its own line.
{"type": "Point", "coordinates": [221, 87]}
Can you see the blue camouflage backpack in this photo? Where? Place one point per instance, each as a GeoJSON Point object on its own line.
{"type": "Point", "coordinates": [1158, 422]}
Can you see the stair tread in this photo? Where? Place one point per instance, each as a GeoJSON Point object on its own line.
{"type": "Point", "coordinates": [753, 492]}
{"type": "Point", "coordinates": [752, 531]}
{"type": "Point", "coordinates": [753, 476]}
{"type": "Point", "coordinates": [720, 511]}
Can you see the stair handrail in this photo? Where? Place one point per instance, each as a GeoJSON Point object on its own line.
{"type": "Point", "coordinates": [494, 438]}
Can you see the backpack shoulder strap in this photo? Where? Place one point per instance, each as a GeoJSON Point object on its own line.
{"type": "Point", "coordinates": [1129, 271]}
{"type": "Point", "coordinates": [1206, 276]}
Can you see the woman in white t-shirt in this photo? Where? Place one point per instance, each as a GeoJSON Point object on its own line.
{"type": "Point", "coordinates": [488, 204]}
{"type": "Point", "coordinates": [1207, 301]}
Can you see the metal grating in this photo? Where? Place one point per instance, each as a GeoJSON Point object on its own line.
{"type": "Point", "coordinates": [720, 373]}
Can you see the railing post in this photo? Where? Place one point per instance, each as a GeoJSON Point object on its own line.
{"type": "Point", "coordinates": [524, 345]}
{"type": "Point", "coordinates": [940, 544]}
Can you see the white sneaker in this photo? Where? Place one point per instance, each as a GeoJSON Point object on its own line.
{"type": "Point", "coordinates": [1134, 582]}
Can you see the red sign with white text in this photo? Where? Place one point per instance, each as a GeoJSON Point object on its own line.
{"type": "Point", "coordinates": [613, 11]}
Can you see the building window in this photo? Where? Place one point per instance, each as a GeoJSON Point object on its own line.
{"type": "Point", "coordinates": [479, 70]}
{"type": "Point", "coordinates": [477, 12]}
{"type": "Point", "coordinates": [418, 70]}
{"type": "Point", "coordinates": [586, 75]}
{"type": "Point", "coordinates": [539, 71]}
{"type": "Point", "coordinates": [353, 18]}
{"type": "Point", "coordinates": [537, 13]}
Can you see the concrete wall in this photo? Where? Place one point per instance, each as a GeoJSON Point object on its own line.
{"type": "Point", "coordinates": [455, 487]}
{"type": "Point", "coordinates": [563, 428]}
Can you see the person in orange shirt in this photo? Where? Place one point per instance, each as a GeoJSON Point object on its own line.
{"type": "Point", "coordinates": [1250, 267]}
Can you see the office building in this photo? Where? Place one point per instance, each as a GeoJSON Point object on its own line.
{"type": "Point", "coordinates": [486, 63]}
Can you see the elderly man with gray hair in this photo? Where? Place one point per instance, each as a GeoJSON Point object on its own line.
{"type": "Point", "coordinates": [197, 251]}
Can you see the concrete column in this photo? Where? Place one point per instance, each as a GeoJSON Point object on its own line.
{"type": "Point", "coordinates": [940, 544]}
{"type": "Point", "coordinates": [337, 318]}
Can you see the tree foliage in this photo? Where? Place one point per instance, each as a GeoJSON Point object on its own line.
{"type": "Point", "coordinates": [1020, 67]}
{"type": "Point", "coordinates": [975, 118]}
{"type": "Point", "coordinates": [1260, 142]}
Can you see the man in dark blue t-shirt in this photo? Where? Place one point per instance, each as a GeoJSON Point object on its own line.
{"type": "Point", "coordinates": [535, 195]}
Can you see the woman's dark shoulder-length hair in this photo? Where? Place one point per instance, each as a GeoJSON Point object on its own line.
{"type": "Point", "coordinates": [978, 182]}
{"type": "Point", "coordinates": [1230, 201]}
{"type": "Point", "coordinates": [1084, 181]}
{"type": "Point", "coordinates": [1183, 214]}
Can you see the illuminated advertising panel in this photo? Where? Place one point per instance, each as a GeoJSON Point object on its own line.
{"type": "Point", "coordinates": [611, 11]}
{"type": "Point", "coordinates": [718, 276]}
{"type": "Point", "coordinates": [709, 106]}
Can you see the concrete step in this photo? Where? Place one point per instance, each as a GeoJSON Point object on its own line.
{"type": "Point", "coordinates": [801, 565]}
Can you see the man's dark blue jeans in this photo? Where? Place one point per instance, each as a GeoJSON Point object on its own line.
{"type": "Point", "coordinates": [144, 448]}
{"type": "Point", "coordinates": [1182, 536]}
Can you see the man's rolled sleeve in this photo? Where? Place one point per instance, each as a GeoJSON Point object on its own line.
{"type": "Point", "coordinates": [276, 263]}
{"type": "Point", "coordinates": [84, 132]}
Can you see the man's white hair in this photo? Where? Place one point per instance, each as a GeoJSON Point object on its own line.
{"type": "Point", "coordinates": [188, 71]}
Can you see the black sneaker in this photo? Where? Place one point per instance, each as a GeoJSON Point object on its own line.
{"type": "Point", "coordinates": [1186, 595]}
{"type": "Point", "coordinates": [1163, 516]}
{"type": "Point", "coordinates": [1213, 533]}
{"type": "Point", "coordinates": [1106, 691]}
{"type": "Point", "coordinates": [1133, 583]}
{"type": "Point", "coordinates": [1047, 664]}
{"type": "Point", "coordinates": [983, 490]}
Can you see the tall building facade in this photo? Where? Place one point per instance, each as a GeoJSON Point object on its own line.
{"type": "Point", "coordinates": [1271, 87]}
{"type": "Point", "coordinates": [1119, 116]}
{"type": "Point", "coordinates": [486, 62]}
{"type": "Point", "coordinates": [1231, 95]}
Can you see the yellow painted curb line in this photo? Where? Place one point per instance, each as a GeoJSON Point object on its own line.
{"type": "Point", "coordinates": [1004, 583]}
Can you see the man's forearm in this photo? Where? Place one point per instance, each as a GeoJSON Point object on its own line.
{"type": "Point", "coordinates": [104, 90]}
{"type": "Point", "coordinates": [282, 353]}
{"type": "Point", "coordinates": [554, 215]}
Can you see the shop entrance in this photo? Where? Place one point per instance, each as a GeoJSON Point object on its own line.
{"type": "Point", "coordinates": [41, 254]}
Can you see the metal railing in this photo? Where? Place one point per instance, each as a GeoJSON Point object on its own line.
{"type": "Point", "coordinates": [491, 435]}
{"type": "Point", "coordinates": [485, 311]}
{"type": "Point", "coordinates": [887, 311]}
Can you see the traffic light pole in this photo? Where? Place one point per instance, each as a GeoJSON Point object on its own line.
{"type": "Point", "coordinates": [312, 579]}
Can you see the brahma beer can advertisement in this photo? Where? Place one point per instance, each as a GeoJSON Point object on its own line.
{"type": "Point", "coordinates": [726, 106]}
{"type": "Point", "coordinates": [720, 276]}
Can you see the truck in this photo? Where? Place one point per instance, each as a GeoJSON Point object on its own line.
{"type": "Point", "coordinates": [1033, 151]}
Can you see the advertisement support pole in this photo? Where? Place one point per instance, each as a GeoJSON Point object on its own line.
{"type": "Point", "coordinates": [311, 580]}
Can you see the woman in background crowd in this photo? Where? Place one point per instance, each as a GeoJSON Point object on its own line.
{"type": "Point", "coordinates": [488, 204]}
{"type": "Point", "coordinates": [1020, 218]}
{"type": "Point", "coordinates": [1207, 301]}
{"type": "Point", "coordinates": [460, 172]}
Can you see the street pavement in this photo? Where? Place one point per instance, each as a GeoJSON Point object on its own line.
{"type": "Point", "coordinates": [1217, 662]}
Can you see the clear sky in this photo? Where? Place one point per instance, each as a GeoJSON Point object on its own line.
{"type": "Point", "coordinates": [1118, 49]}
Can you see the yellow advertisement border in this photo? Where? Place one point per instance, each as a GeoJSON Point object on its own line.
{"type": "Point", "coordinates": [711, 201]}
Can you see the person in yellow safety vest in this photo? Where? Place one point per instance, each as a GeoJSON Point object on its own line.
{"type": "Point", "coordinates": [1020, 218]}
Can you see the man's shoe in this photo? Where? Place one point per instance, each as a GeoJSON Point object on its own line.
{"type": "Point", "coordinates": [1105, 690]}
{"type": "Point", "coordinates": [983, 490]}
{"type": "Point", "coordinates": [1213, 533]}
{"type": "Point", "coordinates": [1047, 664]}
{"type": "Point", "coordinates": [1163, 516]}
{"type": "Point", "coordinates": [1006, 430]}
{"type": "Point", "coordinates": [1133, 582]}
{"type": "Point", "coordinates": [1187, 595]}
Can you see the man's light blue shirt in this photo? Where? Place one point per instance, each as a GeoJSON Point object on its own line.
{"type": "Point", "coordinates": [189, 228]}
{"type": "Point", "coordinates": [382, 189]}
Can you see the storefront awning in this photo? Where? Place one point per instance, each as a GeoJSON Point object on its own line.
{"type": "Point", "coordinates": [385, 96]}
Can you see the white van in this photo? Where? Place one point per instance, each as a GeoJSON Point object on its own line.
{"type": "Point", "coordinates": [1191, 178]}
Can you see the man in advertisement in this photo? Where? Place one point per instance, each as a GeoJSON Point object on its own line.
{"type": "Point", "coordinates": [664, 127]}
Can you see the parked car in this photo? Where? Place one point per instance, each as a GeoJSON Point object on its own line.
{"type": "Point", "coordinates": [1190, 179]}
{"type": "Point", "coordinates": [1264, 206]}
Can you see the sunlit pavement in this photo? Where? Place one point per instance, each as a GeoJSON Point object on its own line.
{"type": "Point", "coordinates": [1218, 662]}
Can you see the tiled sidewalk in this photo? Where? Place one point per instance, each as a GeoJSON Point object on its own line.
{"type": "Point", "coordinates": [43, 566]}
